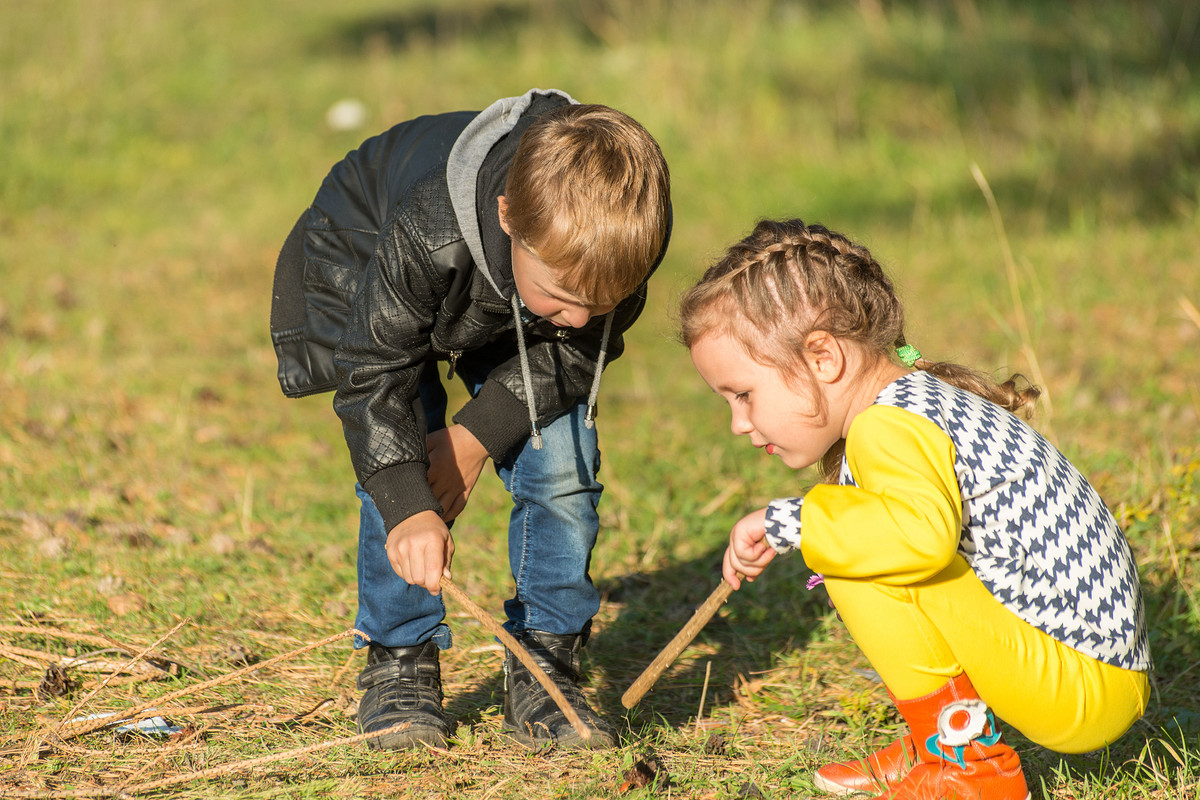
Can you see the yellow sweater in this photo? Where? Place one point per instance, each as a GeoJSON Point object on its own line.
{"type": "Point", "coordinates": [932, 471]}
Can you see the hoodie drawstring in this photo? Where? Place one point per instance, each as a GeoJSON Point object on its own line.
{"type": "Point", "coordinates": [589, 419]}
{"type": "Point", "coordinates": [535, 432]}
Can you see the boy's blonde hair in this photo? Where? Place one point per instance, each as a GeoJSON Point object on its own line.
{"type": "Point", "coordinates": [589, 194]}
{"type": "Point", "coordinates": [786, 280]}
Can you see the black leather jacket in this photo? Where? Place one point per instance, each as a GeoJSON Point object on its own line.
{"type": "Point", "coordinates": [382, 277]}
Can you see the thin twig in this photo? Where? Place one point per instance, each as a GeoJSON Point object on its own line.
{"type": "Point", "coordinates": [1179, 580]}
{"type": "Point", "coordinates": [170, 750]}
{"type": "Point", "coordinates": [85, 662]}
{"type": "Point", "coordinates": [522, 655]}
{"type": "Point", "coordinates": [341, 673]}
{"type": "Point", "coordinates": [1191, 311]}
{"type": "Point", "coordinates": [85, 638]}
{"type": "Point", "coordinates": [1014, 287]}
{"type": "Point", "coordinates": [703, 693]}
{"type": "Point", "coordinates": [30, 658]}
{"type": "Point", "coordinates": [22, 515]}
{"type": "Point", "coordinates": [120, 680]}
{"type": "Point", "coordinates": [75, 709]}
{"type": "Point", "coordinates": [730, 489]}
{"type": "Point", "coordinates": [99, 641]}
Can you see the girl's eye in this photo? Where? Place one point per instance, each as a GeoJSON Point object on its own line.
{"type": "Point", "coordinates": [742, 396]}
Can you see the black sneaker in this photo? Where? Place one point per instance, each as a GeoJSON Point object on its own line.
{"type": "Point", "coordinates": [402, 684]}
{"type": "Point", "coordinates": [530, 715]}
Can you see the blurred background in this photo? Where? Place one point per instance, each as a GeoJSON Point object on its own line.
{"type": "Point", "coordinates": [1027, 171]}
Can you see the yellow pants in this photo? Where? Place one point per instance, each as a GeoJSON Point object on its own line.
{"type": "Point", "coordinates": [918, 637]}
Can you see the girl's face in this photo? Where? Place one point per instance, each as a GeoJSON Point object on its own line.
{"type": "Point", "coordinates": [765, 407]}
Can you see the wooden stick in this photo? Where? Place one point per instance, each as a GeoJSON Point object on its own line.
{"type": "Point", "coordinates": [671, 652]}
{"type": "Point", "coordinates": [522, 655]}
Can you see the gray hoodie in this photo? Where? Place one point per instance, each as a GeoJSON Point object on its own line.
{"type": "Point", "coordinates": [400, 262]}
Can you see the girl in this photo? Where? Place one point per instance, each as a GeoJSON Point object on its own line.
{"type": "Point", "coordinates": [974, 566]}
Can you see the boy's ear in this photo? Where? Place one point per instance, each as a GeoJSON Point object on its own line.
{"type": "Point", "coordinates": [825, 356]}
{"type": "Point", "coordinates": [502, 202]}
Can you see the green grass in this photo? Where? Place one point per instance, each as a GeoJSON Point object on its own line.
{"type": "Point", "coordinates": [151, 473]}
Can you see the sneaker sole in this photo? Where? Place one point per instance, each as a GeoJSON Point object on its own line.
{"type": "Point", "coordinates": [599, 740]}
{"type": "Point", "coordinates": [408, 739]}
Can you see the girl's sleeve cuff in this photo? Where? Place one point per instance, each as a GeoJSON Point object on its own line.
{"type": "Point", "coordinates": [783, 524]}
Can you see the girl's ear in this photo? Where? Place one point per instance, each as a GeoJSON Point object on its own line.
{"type": "Point", "coordinates": [825, 356]}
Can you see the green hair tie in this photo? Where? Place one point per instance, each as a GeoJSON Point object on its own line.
{"type": "Point", "coordinates": [909, 355]}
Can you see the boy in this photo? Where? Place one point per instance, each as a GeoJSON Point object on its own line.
{"type": "Point", "coordinates": [514, 244]}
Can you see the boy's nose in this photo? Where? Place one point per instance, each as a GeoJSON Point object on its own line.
{"type": "Point", "coordinates": [576, 317]}
{"type": "Point", "coordinates": [740, 424]}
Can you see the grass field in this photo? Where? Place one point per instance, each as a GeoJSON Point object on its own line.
{"type": "Point", "coordinates": [1028, 171]}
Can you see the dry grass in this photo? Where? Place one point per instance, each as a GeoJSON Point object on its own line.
{"type": "Point", "coordinates": [175, 535]}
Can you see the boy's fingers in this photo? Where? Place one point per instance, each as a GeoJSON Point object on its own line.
{"type": "Point", "coordinates": [400, 566]}
{"type": "Point", "coordinates": [435, 564]}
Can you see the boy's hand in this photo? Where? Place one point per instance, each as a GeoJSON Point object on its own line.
{"type": "Point", "coordinates": [455, 460]}
{"type": "Point", "coordinates": [748, 552]}
{"type": "Point", "coordinates": [420, 549]}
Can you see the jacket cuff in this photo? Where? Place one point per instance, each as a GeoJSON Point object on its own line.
{"type": "Point", "coordinates": [783, 524]}
{"type": "Point", "coordinates": [401, 491]}
{"type": "Point", "coordinates": [497, 418]}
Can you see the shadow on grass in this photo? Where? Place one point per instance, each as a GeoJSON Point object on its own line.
{"type": "Point", "coordinates": [1162, 749]}
{"type": "Point", "coordinates": [1165, 743]}
{"type": "Point", "coordinates": [773, 615]}
{"type": "Point", "coordinates": [776, 614]}
{"type": "Point", "coordinates": [467, 708]}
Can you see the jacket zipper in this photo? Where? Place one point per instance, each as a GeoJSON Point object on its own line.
{"type": "Point", "coordinates": [454, 354]}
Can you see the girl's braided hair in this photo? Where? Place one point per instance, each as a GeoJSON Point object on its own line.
{"type": "Point", "coordinates": [786, 280]}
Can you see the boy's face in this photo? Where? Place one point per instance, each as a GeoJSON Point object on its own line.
{"type": "Point", "coordinates": [542, 295]}
{"type": "Point", "coordinates": [538, 288]}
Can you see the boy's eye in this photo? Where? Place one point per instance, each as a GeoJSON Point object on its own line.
{"type": "Point", "coordinates": [742, 396]}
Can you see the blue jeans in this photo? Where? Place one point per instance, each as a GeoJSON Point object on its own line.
{"type": "Point", "coordinates": [551, 532]}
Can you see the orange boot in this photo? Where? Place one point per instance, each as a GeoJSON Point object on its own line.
{"type": "Point", "coordinates": [872, 774]}
{"type": "Point", "coordinates": [962, 753]}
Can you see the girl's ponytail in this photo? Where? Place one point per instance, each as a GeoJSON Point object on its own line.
{"type": "Point", "coordinates": [1015, 394]}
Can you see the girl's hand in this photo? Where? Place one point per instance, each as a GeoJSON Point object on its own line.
{"type": "Point", "coordinates": [748, 552]}
{"type": "Point", "coordinates": [420, 549]}
{"type": "Point", "coordinates": [455, 460]}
